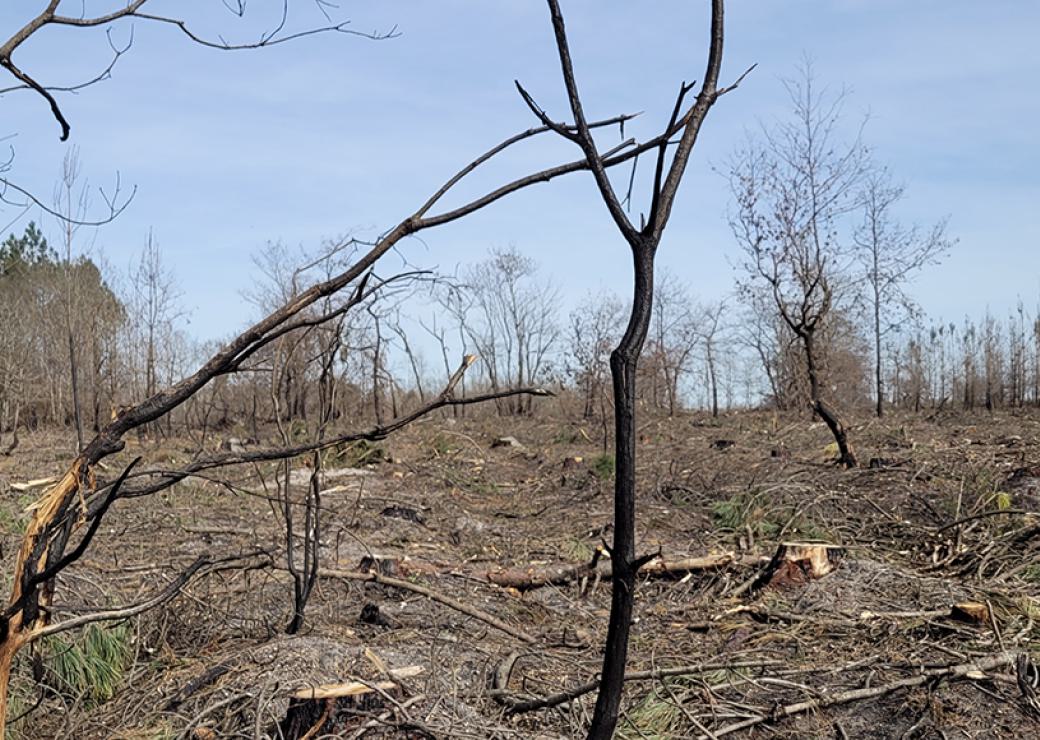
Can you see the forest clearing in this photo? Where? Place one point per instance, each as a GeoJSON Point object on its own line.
{"type": "Point", "coordinates": [934, 592]}
{"type": "Point", "coordinates": [505, 376]}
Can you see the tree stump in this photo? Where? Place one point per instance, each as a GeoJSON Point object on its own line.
{"type": "Point", "coordinates": [334, 709]}
{"type": "Point", "coordinates": [973, 612]}
{"type": "Point", "coordinates": [333, 715]}
{"type": "Point", "coordinates": [796, 563]}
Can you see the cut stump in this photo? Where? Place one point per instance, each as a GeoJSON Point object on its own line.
{"type": "Point", "coordinates": [972, 612]}
{"type": "Point", "coordinates": [796, 563]}
{"type": "Point", "coordinates": [331, 710]}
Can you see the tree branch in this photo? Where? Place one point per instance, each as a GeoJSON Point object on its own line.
{"type": "Point", "coordinates": [169, 592]}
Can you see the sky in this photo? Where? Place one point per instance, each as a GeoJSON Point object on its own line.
{"type": "Point", "coordinates": [337, 134]}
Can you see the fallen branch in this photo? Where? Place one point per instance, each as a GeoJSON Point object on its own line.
{"type": "Point", "coordinates": [356, 688]}
{"type": "Point", "coordinates": [489, 619]}
{"type": "Point", "coordinates": [973, 671]}
{"type": "Point", "coordinates": [528, 579]}
{"type": "Point", "coordinates": [168, 593]}
{"type": "Point", "coordinates": [519, 706]}
{"type": "Point", "coordinates": [200, 682]}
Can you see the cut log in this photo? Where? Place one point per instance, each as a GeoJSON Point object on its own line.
{"type": "Point", "coordinates": [796, 563]}
{"type": "Point", "coordinates": [507, 442]}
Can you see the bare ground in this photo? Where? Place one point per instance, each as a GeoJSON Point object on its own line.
{"type": "Point", "coordinates": [869, 651]}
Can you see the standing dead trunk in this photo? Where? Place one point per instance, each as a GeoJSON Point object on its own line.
{"type": "Point", "coordinates": [623, 364]}
{"type": "Point", "coordinates": [643, 243]}
{"type": "Point", "coordinates": [830, 417]}
{"type": "Point", "coordinates": [713, 380]}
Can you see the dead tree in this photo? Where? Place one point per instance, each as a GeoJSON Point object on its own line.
{"type": "Point", "coordinates": [508, 318]}
{"type": "Point", "coordinates": [590, 338]}
{"type": "Point", "coordinates": [791, 189]}
{"type": "Point", "coordinates": [711, 316]}
{"type": "Point", "coordinates": [642, 243]}
{"type": "Point", "coordinates": [672, 338]}
{"type": "Point", "coordinates": [72, 208]}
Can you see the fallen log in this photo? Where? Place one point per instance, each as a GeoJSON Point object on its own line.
{"type": "Point", "coordinates": [528, 579]}
{"type": "Point", "coordinates": [520, 704]}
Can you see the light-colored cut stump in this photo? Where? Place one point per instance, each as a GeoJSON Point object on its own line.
{"type": "Point", "coordinates": [796, 563]}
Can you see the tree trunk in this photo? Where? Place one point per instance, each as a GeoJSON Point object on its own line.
{"type": "Point", "coordinates": [623, 364]}
{"type": "Point", "coordinates": [822, 408]}
{"type": "Point", "coordinates": [74, 373]}
{"type": "Point", "coordinates": [878, 381]}
{"type": "Point", "coordinates": [713, 378]}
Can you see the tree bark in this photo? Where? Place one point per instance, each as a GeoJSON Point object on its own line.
{"type": "Point", "coordinates": [623, 364]}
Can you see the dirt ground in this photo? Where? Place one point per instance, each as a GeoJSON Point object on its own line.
{"type": "Point", "coordinates": [947, 513]}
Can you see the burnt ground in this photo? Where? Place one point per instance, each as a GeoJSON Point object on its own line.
{"type": "Point", "coordinates": [871, 650]}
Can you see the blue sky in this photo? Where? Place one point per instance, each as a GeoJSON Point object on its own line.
{"type": "Point", "coordinates": [335, 134]}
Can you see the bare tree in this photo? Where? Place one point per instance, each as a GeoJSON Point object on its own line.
{"type": "Point", "coordinates": [710, 323]}
{"type": "Point", "coordinates": [508, 316]}
{"type": "Point", "coordinates": [415, 359]}
{"type": "Point", "coordinates": [889, 255]}
{"type": "Point", "coordinates": [72, 207]}
{"type": "Point", "coordinates": [672, 338]}
{"type": "Point", "coordinates": [154, 308]}
{"type": "Point", "coordinates": [762, 332]}
{"type": "Point", "coordinates": [642, 242]}
{"type": "Point", "coordinates": [591, 336]}
{"type": "Point", "coordinates": [792, 189]}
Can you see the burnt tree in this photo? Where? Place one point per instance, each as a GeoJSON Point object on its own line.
{"type": "Point", "coordinates": [686, 120]}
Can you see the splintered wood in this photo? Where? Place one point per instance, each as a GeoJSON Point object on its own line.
{"type": "Point", "coordinates": [355, 688]}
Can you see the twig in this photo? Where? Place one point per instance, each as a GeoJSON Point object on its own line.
{"type": "Point", "coordinates": [983, 515]}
